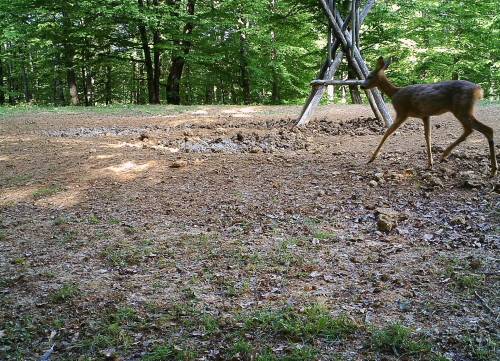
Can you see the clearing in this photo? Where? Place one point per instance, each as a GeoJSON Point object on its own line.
{"type": "Point", "coordinates": [222, 233]}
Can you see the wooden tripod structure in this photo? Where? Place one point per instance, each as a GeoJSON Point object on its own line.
{"type": "Point", "coordinates": [340, 35]}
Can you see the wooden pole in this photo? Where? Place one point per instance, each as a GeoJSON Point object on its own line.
{"type": "Point", "coordinates": [329, 69]}
{"type": "Point", "coordinates": [357, 60]}
{"type": "Point", "coordinates": [353, 24]}
{"type": "Point", "coordinates": [336, 82]}
{"type": "Point", "coordinates": [330, 34]}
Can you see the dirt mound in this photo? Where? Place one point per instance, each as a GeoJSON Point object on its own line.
{"type": "Point", "coordinates": [103, 131]}
{"type": "Point", "coordinates": [241, 143]}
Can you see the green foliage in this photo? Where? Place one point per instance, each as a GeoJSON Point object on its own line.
{"type": "Point", "coordinates": [398, 340]}
{"type": "Point", "coordinates": [46, 192]}
{"type": "Point", "coordinates": [65, 294]}
{"type": "Point", "coordinates": [314, 321]}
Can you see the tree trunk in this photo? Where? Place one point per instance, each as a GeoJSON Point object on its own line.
{"type": "Point", "coordinates": [354, 90]}
{"type": "Point", "coordinates": [178, 60]}
{"type": "Point", "coordinates": [26, 85]}
{"type": "Point", "coordinates": [85, 87]}
{"type": "Point", "coordinates": [73, 88]}
{"type": "Point", "coordinates": [10, 84]}
{"type": "Point", "coordinates": [108, 90]}
{"type": "Point", "coordinates": [148, 63]}
{"type": "Point", "coordinates": [174, 80]}
{"type": "Point", "coordinates": [244, 75]}
{"type": "Point", "coordinates": [157, 67]}
{"type": "Point", "coordinates": [69, 57]}
{"type": "Point", "coordinates": [2, 91]}
{"type": "Point", "coordinates": [147, 59]}
{"type": "Point", "coordinates": [275, 94]}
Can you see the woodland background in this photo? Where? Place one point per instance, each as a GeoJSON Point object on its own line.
{"type": "Point", "coordinates": [92, 52]}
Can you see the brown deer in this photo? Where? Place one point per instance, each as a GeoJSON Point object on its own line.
{"type": "Point", "coordinates": [424, 100]}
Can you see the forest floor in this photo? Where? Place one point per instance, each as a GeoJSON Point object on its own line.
{"type": "Point", "coordinates": [223, 233]}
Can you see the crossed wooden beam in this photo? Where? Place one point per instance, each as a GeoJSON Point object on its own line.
{"type": "Point", "coordinates": [348, 42]}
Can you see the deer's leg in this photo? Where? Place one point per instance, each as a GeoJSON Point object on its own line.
{"type": "Point", "coordinates": [427, 131]}
{"type": "Point", "coordinates": [465, 134]}
{"type": "Point", "coordinates": [488, 133]}
{"type": "Point", "coordinates": [397, 123]}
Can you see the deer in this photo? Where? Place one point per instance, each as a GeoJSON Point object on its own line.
{"type": "Point", "coordinates": [426, 100]}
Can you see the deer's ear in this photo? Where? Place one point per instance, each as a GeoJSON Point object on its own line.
{"type": "Point", "coordinates": [387, 63]}
{"type": "Point", "coordinates": [380, 63]}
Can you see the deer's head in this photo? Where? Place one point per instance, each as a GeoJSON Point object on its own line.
{"type": "Point", "coordinates": [373, 79]}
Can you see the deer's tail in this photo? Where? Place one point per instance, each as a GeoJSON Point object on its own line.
{"type": "Point", "coordinates": [478, 93]}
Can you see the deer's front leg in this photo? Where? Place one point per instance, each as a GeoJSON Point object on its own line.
{"type": "Point", "coordinates": [397, 123]}
{"type": "Point", "coordinates": [427, 131]}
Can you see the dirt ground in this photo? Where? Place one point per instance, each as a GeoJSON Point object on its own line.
{"type": "Point", "coordinates": [224, 233]}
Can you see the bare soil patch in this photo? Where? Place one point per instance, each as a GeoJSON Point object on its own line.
{"type": "Point", "coordinates": [224, 233]}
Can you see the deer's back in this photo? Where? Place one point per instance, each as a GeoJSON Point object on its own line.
{"type": "Point", "coordinates": [432, 99]}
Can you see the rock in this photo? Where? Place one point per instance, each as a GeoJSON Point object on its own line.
{"type": "Point", "coordinates": [384, 277]}
{"type": "Point", "coordinates": [390, 213]}
{"type": "Point", "coordinates": [434, 182]}
{"type": "Point", "coordinates": [458, 221]}
{"type": "Point", "coordinates": [255, 150]}
{"type": "Point", "coordinates": [379, 176]}
{"type": "Point", "coordinates": [373, 183]}
{"type": "Point", "coordinates": [475, 264]}
{"type": "Point", "coordinates": [386, 223]}
{"type": "Point", "coordinates": [469, 180]}
{"type": "Point", "coordinates": [179, 164]}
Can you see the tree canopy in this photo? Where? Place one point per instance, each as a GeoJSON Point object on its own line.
{"type": "Point", "coordinates": [226, 51]}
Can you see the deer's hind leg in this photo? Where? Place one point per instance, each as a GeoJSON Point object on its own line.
{"type": "Point", "coordinates": [397, 123]}
{"type": "Point", "coordinates": [469, 122]}
{"type": "Point", "coordinates": [488, 133]}
{"type": "Point", "coordinates": [465, 134]}
{"type": "Point", "coordinates": [427, 131]}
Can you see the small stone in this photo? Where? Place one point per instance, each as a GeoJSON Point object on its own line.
{"type": "Point", "coordinates": [379, 176]}
{"type": "Point", "coordinates": [255, 150]}
{"type": "Point", "coordinates": [458, 221]}
{"type": "Point", "coordinates": [385, 223]}
{"type": "Point", "coordinates": [384, 277]}
{"type": "Point", "coordinates": [320, 193]}
{"type": "Point", "coordinates": [373, 183]}
{"type": "Point", "coordinates": [179, 164]}
{"type": "Point", "coordinates": [475, 264]}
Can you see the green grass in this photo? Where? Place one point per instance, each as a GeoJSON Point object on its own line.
{"type": "Point", "coordinates": [93, 219]}
{"type": "Point", "coordinates": [114, 329]}
{"type": "Point", "coordinates": [64, 294]}
{"type": "Point", "coordinates": [314, 322]}
{"type": "Point", "coordinates": [46, 192]}
{"type": "Point", "coordinates": [115, 109]}
{"type": "Point", "coordinates": [399, 340]}
{"type": "Point", "coordinates": [18, 180]}
{"type": "Point", "coordinates": [164, 353]}
{"type": "Point", "coordinates": [469, 282]}
{"type": "Point", "coordinates": [482, 349]}
{"type": "Point", "coordinates": [125, 255]}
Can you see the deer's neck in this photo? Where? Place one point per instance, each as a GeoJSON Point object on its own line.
{"type": "Point", "coordinates": [387, 87]}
